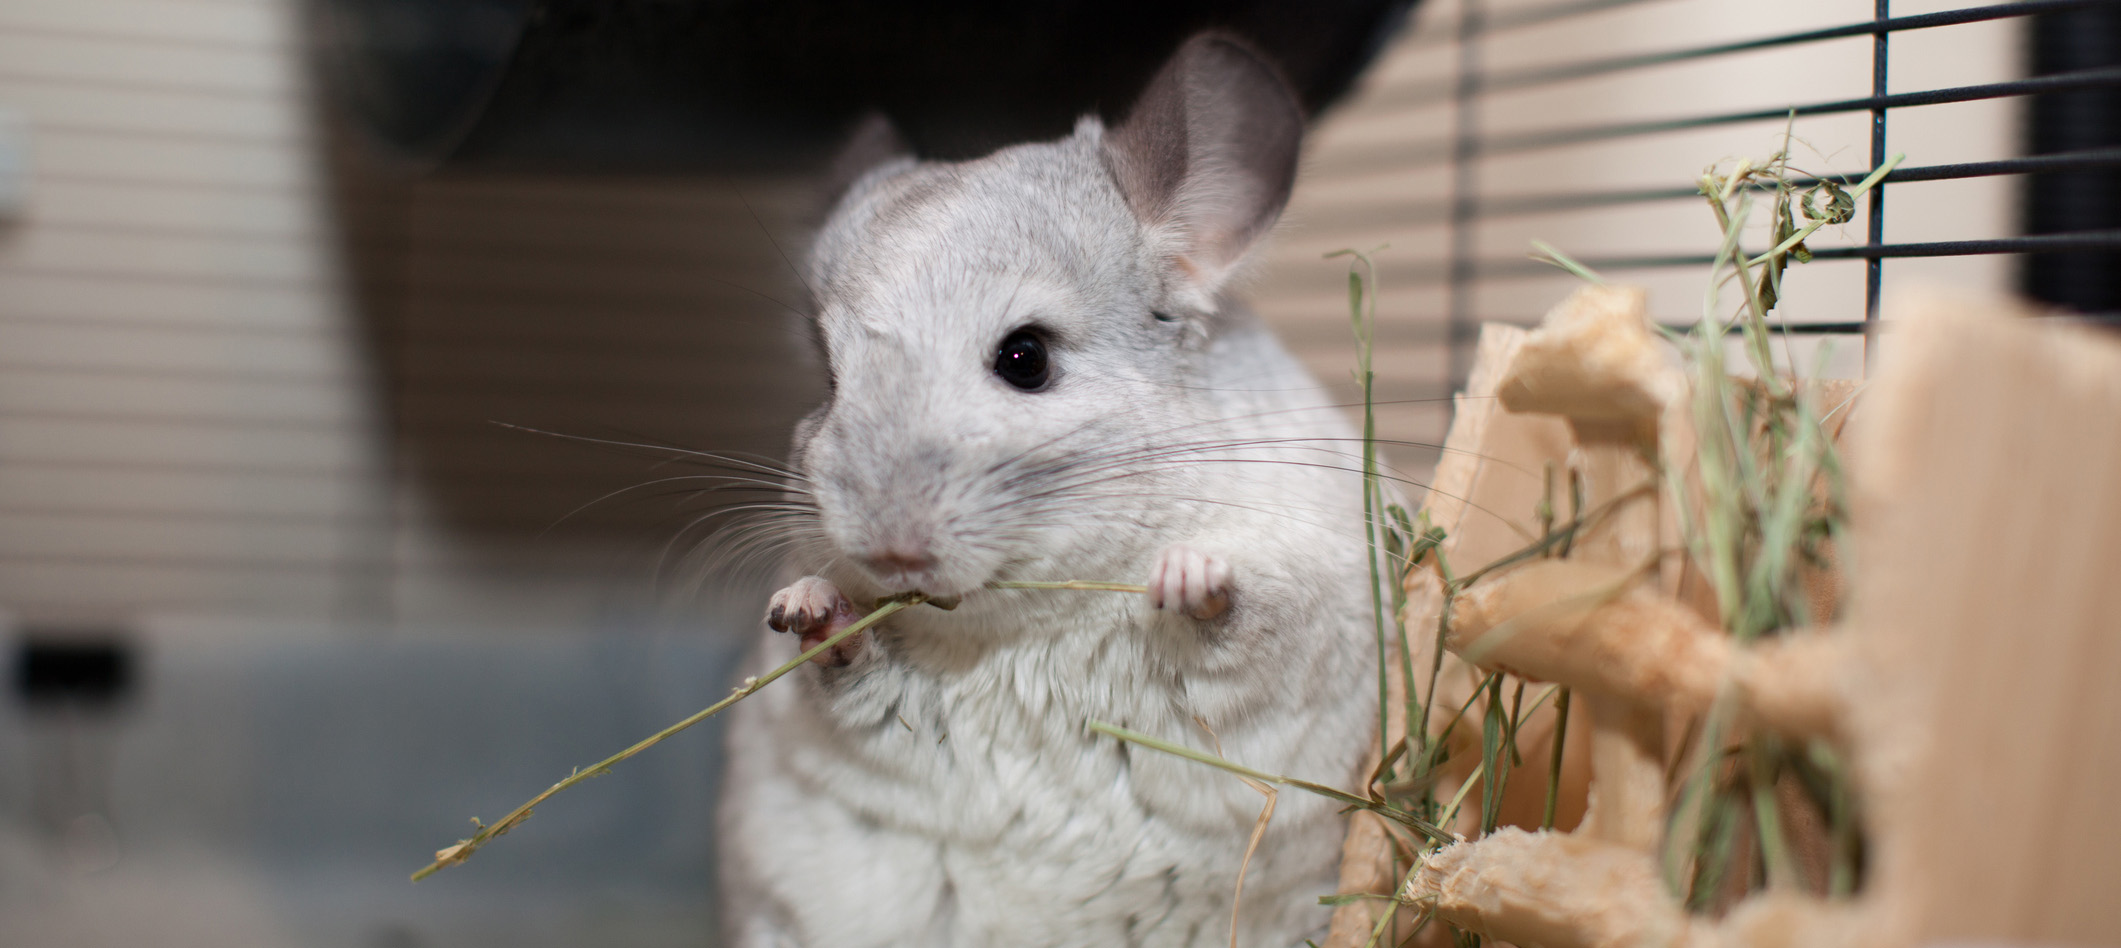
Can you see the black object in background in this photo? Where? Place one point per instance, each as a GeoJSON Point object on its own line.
{"type": "Point", "coordinates": [73, 669]}
{"type": "Point", "coordinates": [732, 84]}
{"type": "Point", "coordinates": [2086, 200]}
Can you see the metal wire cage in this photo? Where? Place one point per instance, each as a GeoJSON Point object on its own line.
{"type": "Point", "coordinates": [2062, 156]}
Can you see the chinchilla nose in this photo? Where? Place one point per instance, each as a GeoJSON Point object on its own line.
{"type": "Point", "coordinates": [900, 560]}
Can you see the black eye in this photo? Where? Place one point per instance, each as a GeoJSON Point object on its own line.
{"type": "Point", "coordinates": [1022, 361]}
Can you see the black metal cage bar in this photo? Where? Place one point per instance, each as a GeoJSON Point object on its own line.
{"type": "Point", "coordinates": [1583, 69]}
{"type": "Point", "coordinates": [2096, 75]}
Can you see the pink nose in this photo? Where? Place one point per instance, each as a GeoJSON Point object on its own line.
{"type": "Point", "coordinates": [899, 562]}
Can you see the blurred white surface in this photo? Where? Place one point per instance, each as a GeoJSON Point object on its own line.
{"type": "Point", "coordinates": [280, 795]}
{"type": "Point", "coordinates": [14, 164]}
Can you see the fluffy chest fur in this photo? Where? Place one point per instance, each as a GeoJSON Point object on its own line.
{"type": "Point", "coordinates": [949, 769]}
{"type": "Point", "coordinates": [975, 808]}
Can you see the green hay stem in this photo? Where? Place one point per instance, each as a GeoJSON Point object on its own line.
{"type": "Point", "coordinates": [1362, 313]}
{"type": "Point", "coordinates": [1408, 820]}
{"type": "Point", "coordinates": [464, 848]}
{"type": "Point", "coordinates": [1561, 741]}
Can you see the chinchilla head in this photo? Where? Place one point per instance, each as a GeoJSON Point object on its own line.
{"type": "Point", "coordinates": [1011, 338]}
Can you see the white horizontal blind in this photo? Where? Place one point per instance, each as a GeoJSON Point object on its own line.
{"type": "Point", "coordinates": [245, 374]}
{"type": "Point", "coordinates": [182, 424]}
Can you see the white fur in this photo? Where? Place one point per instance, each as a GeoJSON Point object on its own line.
{"type": "Point", "coordinates": [942, 789]}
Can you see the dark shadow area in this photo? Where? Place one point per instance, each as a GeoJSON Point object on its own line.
{"type": "Point", "coordinates": [2078, 200]}
{"type": "Point", "coordinates": [721, 85]}
{"type": "Point", "coordinates": [511, 316]}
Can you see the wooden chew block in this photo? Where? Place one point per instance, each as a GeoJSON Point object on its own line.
{"type": "Point", "coordinates": [1594, 361]}
{"type": "Point", "coordinates": [1988, 501]}
{"type": "Point", "coordinates": [1596, 627]}
{"type": "Point", "coordinates": [1485, 492]}
{"type": "Point", "coordinates": [1974, 684]}
{"type": "Point", "coordinates": [1566, 890]}
{"type": "Point", "coordinates": [1601, 419]}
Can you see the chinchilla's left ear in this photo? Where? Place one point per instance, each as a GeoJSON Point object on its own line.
{"type": "Point", "coordinates": [873, 143]}
{"type": "Point", "coordinates": [1209, 154]}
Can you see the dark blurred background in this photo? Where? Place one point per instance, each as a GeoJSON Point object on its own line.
{"type": "Point", "coordinates": [654, 84]}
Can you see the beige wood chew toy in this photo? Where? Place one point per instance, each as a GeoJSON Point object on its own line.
{"type": "Point", "coordinates": [1974, 681]}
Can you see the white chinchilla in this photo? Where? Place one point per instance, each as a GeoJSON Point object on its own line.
{"type": "Point", "coordinates": [1035, 377]}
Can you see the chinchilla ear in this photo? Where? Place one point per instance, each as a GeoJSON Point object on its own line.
{"type": "Point", "coordinates": [1209, 153]}
{"type": "Point", "coordinates": [873, 143]}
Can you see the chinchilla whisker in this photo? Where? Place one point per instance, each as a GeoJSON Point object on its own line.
{"type": "Point", "coordinates": [682, 538]}
{"type": "Point", "coordinates": [1245, 420]}
{"type": "Point", "coordinates": [1134, 448]}
{"type": "Point", "coordinates": [1332, 462]}
{"type": "Point", "coordinates": [734, 464]}
{"type": "Point", "coordinates": [1127, 473]}
{"type": "Point", "coordinates": [777, 301]}
{"type": "Point", "coordinates": [1389, 442]}
{"type": "Point", "coordinates": [703, 501]}
{"type": "Point", "coordinates": [736, 547]}
{"type": "Point", "coordinates": [732, 494]}
{"type": "Point", "coordinates": [1048, 443]}
{"type": "Point", "coordinates": [1147, 438]}
{"type": "Point", "coordinates": [1100, 504]}
{"type": "Point", "coordinates": [1287, 510]}
{"type": "Point", "coordinates": [1130, 467]}
{"type": "Point", "coordinates": [1241, 420]}
{"type": "Point", "coordinates": [743, 513]}
{"type": "Point", "coordinates": [736, 481]}
{"type": "Point", "coordinates": [1197, 449]}
{"type": "Point", "coordinates": [1234, 420]}
{"type": "Point", "coordinates": [1348, 406]}
{"type": "Point", "coordinates": [1253, 507]}
{"type": "Point", "coordinates": [1094, 461]}
{"type": "Point", "coordinates": [713, 484]}
{"type": "Point", "coordinates": [793, 270]}
{"type": "Point", "coordinates": [753, 552]}
{"type": "Point", "coordinates": [758, 516]}
{"type": "Point", "coordinates": [1312, 444]}
{"type": "Point", "coordinates": [754, 463]}
{"type": "Point", "coordinates": [725, 483]}
{"type": "Point", "coordinates": [765, 530]}
{"type": "Point", "coordinates": [770, 502]}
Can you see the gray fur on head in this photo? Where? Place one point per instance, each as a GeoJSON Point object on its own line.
{"type": "Point", "coordinates": [1113, 245]}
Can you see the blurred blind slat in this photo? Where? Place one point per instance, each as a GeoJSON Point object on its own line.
{"type": "Point", "coordinates": [243, 371]}
{"type": "Point", "coordinates": [78, 444]}
{"type": "Point", "coordinates": [182, 424]}
{"type": "Point", "coordinates": [236, 24]}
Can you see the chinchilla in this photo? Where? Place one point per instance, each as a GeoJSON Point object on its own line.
{"type": "Point", "coordinates": [1035, 374]}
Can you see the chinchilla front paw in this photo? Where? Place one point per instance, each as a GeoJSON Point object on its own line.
{"type": "Point", "coordinates": [813, 608]}
{"type": "Point", "coordinates": [1190, 582]}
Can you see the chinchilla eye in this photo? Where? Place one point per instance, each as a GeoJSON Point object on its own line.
{"type": "Point", "coordinates": [1022, 361]}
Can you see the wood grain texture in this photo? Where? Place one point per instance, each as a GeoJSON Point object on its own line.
{"type": "Point", "coordinates": [1991, 538]}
